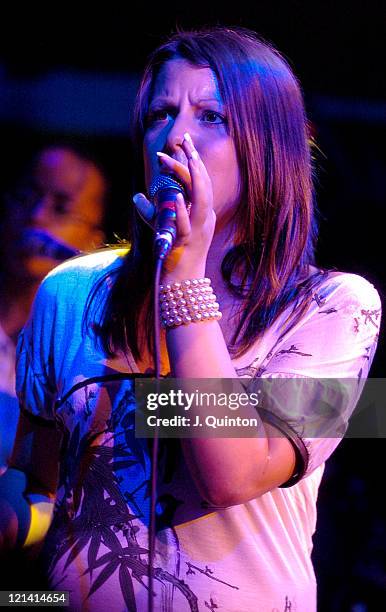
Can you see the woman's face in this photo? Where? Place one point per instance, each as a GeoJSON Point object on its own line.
{"type": "Point", "coordinates": [186, 99]}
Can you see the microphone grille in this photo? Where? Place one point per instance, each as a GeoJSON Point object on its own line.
{"type": "Point", "coordinates": [163, 181]}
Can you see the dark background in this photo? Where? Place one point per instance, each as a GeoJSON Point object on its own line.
{"type": "Point", "coordinates": [72, 73]}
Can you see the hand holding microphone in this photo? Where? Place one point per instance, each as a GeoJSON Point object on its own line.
{"type": "Point", "coordinates": [171, 193]}
{"type": "Point", "coordinates": [166, 194]}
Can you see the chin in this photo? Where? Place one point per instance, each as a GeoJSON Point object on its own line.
{"type": "Point", "coordinates": [38, 267]}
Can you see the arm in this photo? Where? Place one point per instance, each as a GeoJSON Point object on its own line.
{"type": "Point", "coordinates": [232, 470]}
{"type": "Point", "coordinates": [320, 366]}
{"type": "Point", "coordinates": [226, 471]}
{"type": "Point", "coordinates": [28, 487]}
{"type": "Point", "coordinates": [336, 339]}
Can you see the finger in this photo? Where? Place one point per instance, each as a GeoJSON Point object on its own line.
{"type": "Point", "coordinates": [202, 192]}
{"type": "Point", "coordinates": [144, 207]}
{"type": "Point", "coordinates": [182, 221]}
{"type": "Point", "coordinates": [175, 166]}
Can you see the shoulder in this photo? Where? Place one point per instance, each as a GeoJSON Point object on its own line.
{"type": "Point", "coordinates": [346, 287]}
{"type": "Point", "coordinates": [91, 264]}
{"type": "Point", "coordinates": [344, 316]}
{"type": "Point", "coordinates": [68, 286]}
{"type": "Point", "coordinates": [82, 271]}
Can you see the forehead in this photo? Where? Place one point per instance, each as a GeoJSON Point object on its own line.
{"type": "Point", "coordinates": [179, 76]}
{"type": "Point", "coordinates": [59, 171]}
{"type": "Point", "coordinates": [58, 166]}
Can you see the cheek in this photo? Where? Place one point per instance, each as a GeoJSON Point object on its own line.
{"type": "Point", "coordinates": [146, 163]}
{"type": "Point", "coordinates": [224, 171]}
{"type": "Point", "coordinates": [149, 161]}
{"type": "Point", "coordinates": [39, 267]}
{"type": "Point", "coordinates": [76, 236]}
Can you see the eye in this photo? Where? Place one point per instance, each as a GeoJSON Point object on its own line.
{"type": "Point", "coordinates": [210, 116]}
{"type": "Point", "coordinates": [161, 114]}
{"type": "Point", "coordinates": [61, 203]}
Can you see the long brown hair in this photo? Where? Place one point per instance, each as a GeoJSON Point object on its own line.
{"type": "Point", "coordinates": [275, 221]}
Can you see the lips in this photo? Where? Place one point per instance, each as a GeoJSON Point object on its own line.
{"type": "Point", "coordinates": [178, 155]}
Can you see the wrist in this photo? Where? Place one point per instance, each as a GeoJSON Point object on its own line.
{"type": "Point", "coordinates": [180, 275]}
{"type": "Point", "coordinates": [182, 265]}
{"type": "Point", "coordinates": [188, 301]}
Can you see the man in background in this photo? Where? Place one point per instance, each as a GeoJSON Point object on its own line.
{"type": "Point", "coordinates": [56, 211]}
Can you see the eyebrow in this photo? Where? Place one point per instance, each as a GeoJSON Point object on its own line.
{"type": "Point", "coordinates": [167, 100]}
{"type": "Point", "coordinates": [209, 100]}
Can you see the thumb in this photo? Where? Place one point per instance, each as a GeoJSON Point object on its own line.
{"type": "Point", "coordinates": [144, 207]}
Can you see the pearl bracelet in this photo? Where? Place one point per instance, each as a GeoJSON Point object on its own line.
{"type": "Point", "coordinates": [189, 301]}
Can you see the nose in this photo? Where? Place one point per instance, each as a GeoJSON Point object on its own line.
{"type": "Point", "coordinates": [175, 136]}
{"type": "Point", "coordinates": [40, 212]}
{"type": "Point", "coordinates": [174, 140]}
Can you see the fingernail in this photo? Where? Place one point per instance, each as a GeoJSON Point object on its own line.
{"type": "Point", "coordinates": [138, 199]}
{"type": "Point", "coordinates": [160, 154]}
{"type": "Point", "coordinates": [188, 138]}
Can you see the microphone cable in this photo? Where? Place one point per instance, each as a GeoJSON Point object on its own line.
{"type": "Point", "coordinates": [154, 452]}
{"type": "Point", "coordinates": [163, 192]}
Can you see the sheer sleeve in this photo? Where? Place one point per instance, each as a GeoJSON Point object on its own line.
{"type": "Point", "coordinates": [317, 371]}
{"type": "Point", "coordinates": [35, 362]}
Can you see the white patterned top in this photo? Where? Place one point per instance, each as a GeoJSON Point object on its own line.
{"type": "Point", "coordinates": [252, 556]}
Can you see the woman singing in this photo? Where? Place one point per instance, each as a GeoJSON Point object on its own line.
{"type": "Point", "coordinates": [221, 112]}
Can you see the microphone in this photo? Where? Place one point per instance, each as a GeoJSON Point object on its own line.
{"type": "Point", "coordinates": [163, 192]}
